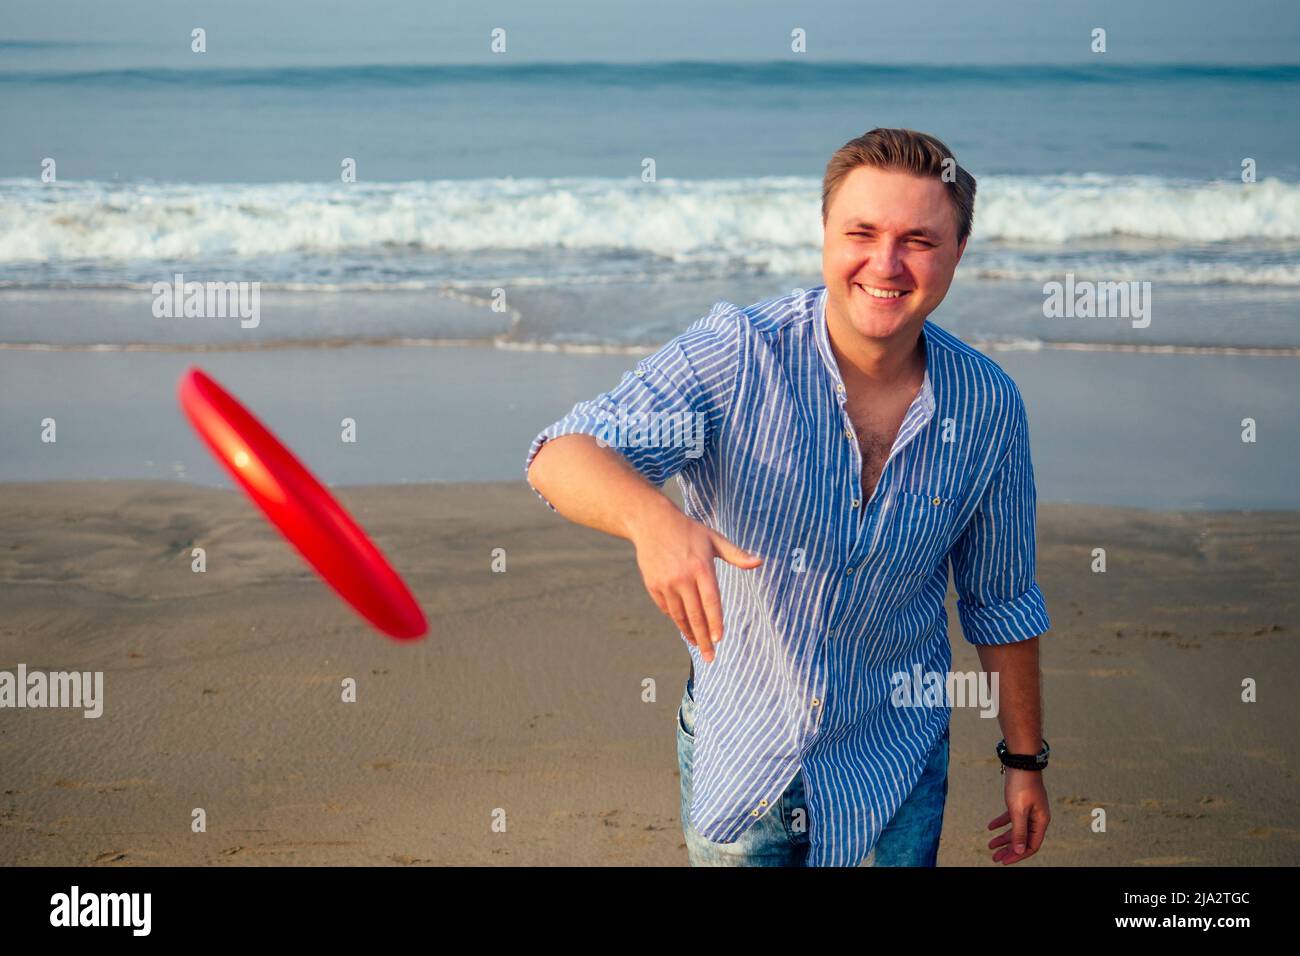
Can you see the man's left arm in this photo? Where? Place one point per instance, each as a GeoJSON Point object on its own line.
{"type": "Point", "coordinates": [1020, 714]}
{"type": "Point", "coordinates": [1002, 612]}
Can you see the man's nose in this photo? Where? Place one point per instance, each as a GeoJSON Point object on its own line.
{"type": "Point", "coordinates": [885, 260]}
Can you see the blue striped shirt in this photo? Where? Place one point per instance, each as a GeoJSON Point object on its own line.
{"type": "Point", "coordinates": [849, 594]}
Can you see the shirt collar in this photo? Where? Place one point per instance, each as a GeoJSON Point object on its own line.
{"type": "Point", "coordinates": [924, 401]}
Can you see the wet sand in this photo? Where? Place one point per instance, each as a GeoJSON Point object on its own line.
{"type": "Point", "coordinates": [1148, 430]}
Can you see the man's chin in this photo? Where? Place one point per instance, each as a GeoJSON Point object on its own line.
{"type": "Point", "coordinates": [875, 321]}
{"type": "Point", "coordinates": [870, 323]}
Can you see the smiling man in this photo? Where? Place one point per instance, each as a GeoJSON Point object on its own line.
{"type": "Point", "coordinates": [853, 452]}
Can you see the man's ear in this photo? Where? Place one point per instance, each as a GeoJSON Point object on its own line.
{"type": "Point", "coordinates": [961, 247]}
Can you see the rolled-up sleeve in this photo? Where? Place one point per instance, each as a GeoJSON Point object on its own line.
{"type": "Point", "coordinates": [993, 562]}
{"type": "Point", "coordinates": [666, 410]}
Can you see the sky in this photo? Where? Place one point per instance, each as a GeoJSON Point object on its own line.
{"type": "Point", "coordinates": [293, 32]}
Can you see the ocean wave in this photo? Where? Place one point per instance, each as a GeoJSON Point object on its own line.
{"type": "Point", "coordinates": [686, 74]}
{"type": "Point", "coordinates": [388, 231]}
{"type": "Point", "coordinates": [1061, 209]}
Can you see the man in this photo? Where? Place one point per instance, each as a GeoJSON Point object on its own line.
{"type": "Point", "coordinates": [851, 452]}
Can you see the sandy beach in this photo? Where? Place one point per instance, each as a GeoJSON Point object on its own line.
{"type": "Point", "coordinates": [223, 689]}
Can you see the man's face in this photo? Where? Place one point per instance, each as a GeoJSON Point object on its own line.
{"type": "Point", "coordinates": [889, 250]}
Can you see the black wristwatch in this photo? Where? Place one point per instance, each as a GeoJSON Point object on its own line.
{"type": "Point", "coordinates": [1022, 761]}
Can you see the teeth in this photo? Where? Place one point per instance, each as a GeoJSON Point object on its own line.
{"type": "Point", "coordinates": [880, 293]}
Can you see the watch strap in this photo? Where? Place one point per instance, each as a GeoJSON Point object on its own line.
{"type": "Point", "coordinates": [1023, 761]}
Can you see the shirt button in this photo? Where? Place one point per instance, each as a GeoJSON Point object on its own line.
{"type": "Point", "coordinates": [762, 803]}
{"type": "Point", "coordinates": [816, 702]}
{"type": "Point", "coordinates": [756, 814]}
{"type": "Point", "coordinates": [640, 371]}
{"type": "Point", "coordinates": [839, 388]}
{"type": "Point", "coordinates": [848, 570]}
{"type": "Point", "coordinates": [848, 433]}
{"type": "Point", "coordinates": [937, 500]}
{"type": "Point", "coordinates": [856, 502]}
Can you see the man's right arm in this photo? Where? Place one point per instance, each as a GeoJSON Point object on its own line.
{"type": "Point", "coordinates": [614, 487]}
{"type": "Point", "coordinates": [595, 486]}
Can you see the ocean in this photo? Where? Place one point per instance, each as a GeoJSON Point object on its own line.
{"type": "Point", "coordinates": [529, 178]}
{"type": "Point", "coordinates": [500, 214]}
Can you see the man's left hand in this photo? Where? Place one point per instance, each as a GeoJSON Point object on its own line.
{"type": "Point", "coordinates": [1028, 814]}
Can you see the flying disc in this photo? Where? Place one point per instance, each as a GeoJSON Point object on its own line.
{"type": "Point", "coordinates": [300, 507]}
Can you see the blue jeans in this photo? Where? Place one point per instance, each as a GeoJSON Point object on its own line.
{"type": "Point", "coordinates": [780, 836]}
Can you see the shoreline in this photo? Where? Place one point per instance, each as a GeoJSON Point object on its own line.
{"type": "Point", "coordinates": [570, 316]}
{"type": "Point", "coordinates": [575, 348]}
{"type": "Point", "coordinates": [1107, 427]}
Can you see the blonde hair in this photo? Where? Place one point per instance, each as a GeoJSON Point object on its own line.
{"type": "Point", "coordinates": [908, 151]}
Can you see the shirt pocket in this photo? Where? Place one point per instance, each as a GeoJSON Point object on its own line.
{"type": "Point", "coordinates": [922, 529]}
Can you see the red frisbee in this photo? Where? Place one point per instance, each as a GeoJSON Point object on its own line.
{"type": "Point", "coordinates": [300, 507]}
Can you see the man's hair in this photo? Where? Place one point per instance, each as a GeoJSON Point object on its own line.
{"type": "Point", "coordinates": [908, 151]}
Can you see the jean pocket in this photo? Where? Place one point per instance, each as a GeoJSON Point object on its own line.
{"type": "Point", "coordinates": [794, 810]}
{"type": "Point", "coordinates": [686, 718]}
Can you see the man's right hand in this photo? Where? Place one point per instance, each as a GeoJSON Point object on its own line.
{"type": "Point", "coordinates": [595, 486]}
{"type": "Point", "coordinates": [675, 554]}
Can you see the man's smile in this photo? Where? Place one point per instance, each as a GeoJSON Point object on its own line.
{"type": "Point", "coordinates": [877, 292]}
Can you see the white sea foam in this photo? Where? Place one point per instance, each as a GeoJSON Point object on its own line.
{"type": "Point", "coordinates": [769, 224]}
